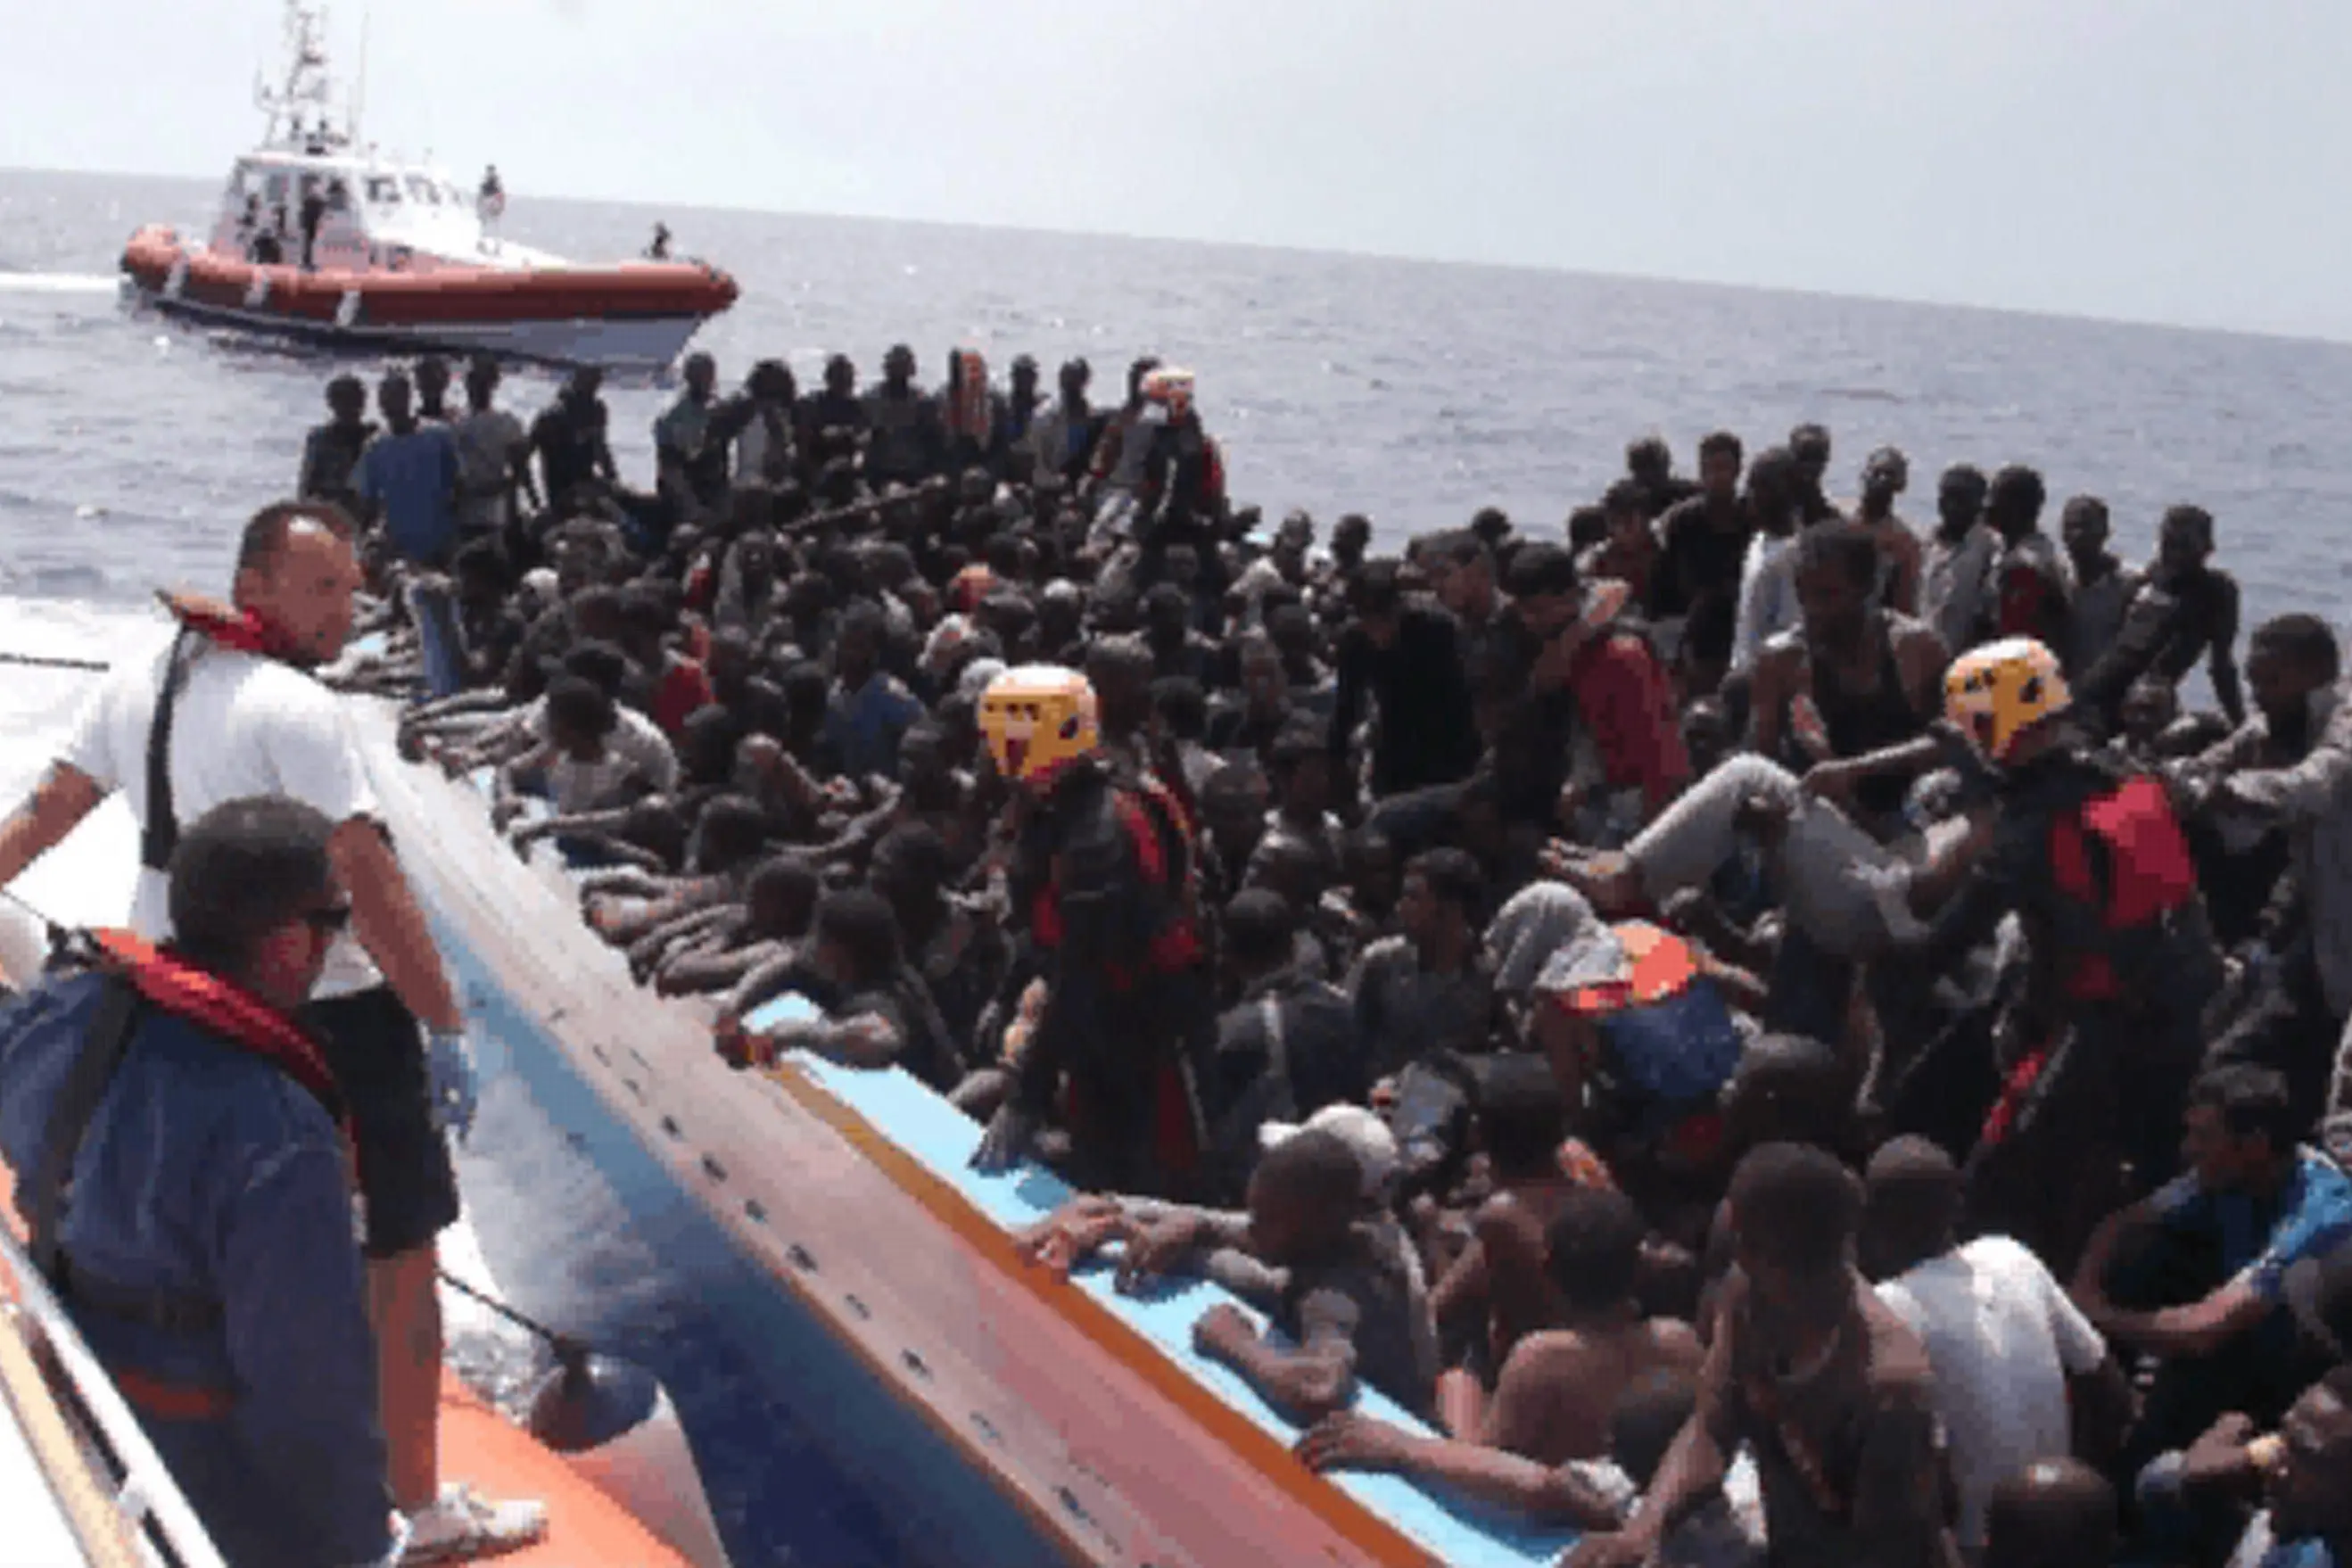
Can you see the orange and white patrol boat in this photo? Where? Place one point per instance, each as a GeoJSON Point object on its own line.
{"type": "Point", "coordinates": [326, 240]}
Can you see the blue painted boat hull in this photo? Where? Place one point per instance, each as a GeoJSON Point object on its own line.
{"type": "Point", "coordinates": [867, 1373]}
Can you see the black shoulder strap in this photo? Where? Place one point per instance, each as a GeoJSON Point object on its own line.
{"type": "Point", "coordinates": [102, 1051]}
{"type": "Point", "coordinates": [161, 835]}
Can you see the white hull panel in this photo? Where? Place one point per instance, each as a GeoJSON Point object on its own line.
{"type": "Point", "coordinates": [620, 343]}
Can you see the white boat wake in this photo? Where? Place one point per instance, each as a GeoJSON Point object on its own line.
{"type": "Point", "coordinates": [59, 282]}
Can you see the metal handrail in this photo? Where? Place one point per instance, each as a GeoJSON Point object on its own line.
{"type": "Point", "coordinates": [146, 1493]}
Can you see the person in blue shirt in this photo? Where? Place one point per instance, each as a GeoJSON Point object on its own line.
{"type": "Point", "coordinates": [206, 1249]}
{"type": "Point", "coordinates": [408, 479]}
{"type": "Point", "coordinates": [869, 711]}
{"type": "Point", "coordinates": [2252, 1204]}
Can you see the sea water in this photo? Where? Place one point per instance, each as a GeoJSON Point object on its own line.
{"type": "Point", "coordinates": [131, 450]}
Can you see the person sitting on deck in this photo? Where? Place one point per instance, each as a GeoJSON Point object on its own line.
{"type": "Point", "coordinates": [1561, 1384]}
{"type": "Point", "coordinates": [1339, 1281]}
{"type": "Point", "coordinates": [779, 906]}
{"type": "Point", "coordinates": [597, 756]}
{"type": "Point", "coordinates": [871, 1010]}
{"type": "Point", "coordinates": [716, 851]}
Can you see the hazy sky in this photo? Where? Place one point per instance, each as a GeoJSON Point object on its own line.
{"type": "Point", "coordinates": [2161, 160]}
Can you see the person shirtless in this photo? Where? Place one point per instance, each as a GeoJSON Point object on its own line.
{"type": "Point", "coordinates": [1561, 1387]}
{"type": "Point", "coordinates": [1824, 1383]}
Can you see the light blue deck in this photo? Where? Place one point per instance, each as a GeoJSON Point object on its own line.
{"type": "Point", "coordinates": [943, 1139]}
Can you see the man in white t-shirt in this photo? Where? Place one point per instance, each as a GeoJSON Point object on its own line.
{"type": "Point", "coordinates": [246, 718]}
{"type": "Point", "coordinates": [2003, 1340]}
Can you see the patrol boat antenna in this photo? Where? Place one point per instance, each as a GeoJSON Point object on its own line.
{"type": "Point", "coordinates": [300, 107]}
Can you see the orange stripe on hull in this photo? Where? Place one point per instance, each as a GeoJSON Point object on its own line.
{"type": "Point", "coordinates": [992, 1250]}
{"type": "Point", "coordinates": [448, 295]}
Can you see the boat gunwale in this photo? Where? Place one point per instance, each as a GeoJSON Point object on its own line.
{"type": "Point", "coordinates": [1249, 1449]}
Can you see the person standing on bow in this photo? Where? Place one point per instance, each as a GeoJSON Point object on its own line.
{"type": "Point", "coordinates": [232, 710]}
{"type": "Point", "coordinates": [207, 1254]}
{"type": "Point", "coordinates": [1104, 876]}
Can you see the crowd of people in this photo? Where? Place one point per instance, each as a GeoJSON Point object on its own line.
{"type": "Point", "coordinates": [1774, 1030]}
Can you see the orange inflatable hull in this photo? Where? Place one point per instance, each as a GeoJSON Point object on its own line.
{"type": "Point", "coordinates": [629, 313]}
{"type": "Point", "coordinates": [586, 1529]}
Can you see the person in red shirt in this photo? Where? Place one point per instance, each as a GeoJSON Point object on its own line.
{"type": "Point", "coordinates": [1628, 729]}
{"type": "Point", "coordinates": [680, 684]}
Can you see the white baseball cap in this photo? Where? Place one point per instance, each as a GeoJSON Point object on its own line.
{"type": "Point", "coordinates": [1366, 1135]}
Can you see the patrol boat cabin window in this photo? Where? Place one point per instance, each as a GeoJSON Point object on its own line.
{"type": "Point", "coordinates": [382, 191]}
{"type": "Point", "coordinates": [422, 190]}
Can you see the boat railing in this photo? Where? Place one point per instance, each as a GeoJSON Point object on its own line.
{"type": "Point", "coordinates": [149, 1499]}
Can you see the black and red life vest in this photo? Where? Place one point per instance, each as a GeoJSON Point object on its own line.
{"type": "Point", "coordinates": [1160, 832]}
{"type": "Point", "coordinates": [2121, 868]}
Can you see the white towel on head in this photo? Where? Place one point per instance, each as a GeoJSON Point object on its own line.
{"type": "Point", "coordinates": [1534, 923]}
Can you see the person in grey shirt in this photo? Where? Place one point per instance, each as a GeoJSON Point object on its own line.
{"type": "Point", "coordinates": [2102, 586]}
{"type": "Point", "coordinates": [1428, 989]}
{"type": "Point", "coordinates": [1956, 586]}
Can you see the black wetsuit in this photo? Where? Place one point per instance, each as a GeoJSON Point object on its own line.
{"type": "Point", "coordinates": [1103, 874]}
{"type": "Point", "coordinates": [2120, 1009]}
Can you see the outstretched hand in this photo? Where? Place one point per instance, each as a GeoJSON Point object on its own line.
{"type": "Point", "coordinates": [1073, 1233]}
{"type": "Point", "coordinates": [1350, 1440]}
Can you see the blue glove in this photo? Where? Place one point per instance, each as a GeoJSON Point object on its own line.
{"type": "Point", "coordinates": [449, 1065]}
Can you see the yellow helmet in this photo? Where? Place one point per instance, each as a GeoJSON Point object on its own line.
{"type": "Point", "coordinates": [1039, 719]}
{"type": "Point", "coordinates": [1995, 693]}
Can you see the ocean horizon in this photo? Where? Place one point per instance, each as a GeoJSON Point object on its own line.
{"type": "Point", "coordinates": [1413, 390]}
{"type": "Point", "coordinates": [200, 188]}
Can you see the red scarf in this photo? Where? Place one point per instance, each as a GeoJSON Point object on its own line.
{"type": "Point", "coordinates": [226, 1010]}
{"type": "Point", "coordinates": [246, 631]}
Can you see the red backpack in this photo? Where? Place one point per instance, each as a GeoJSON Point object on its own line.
{"type": "Point", "coordinates": [2123, 865]}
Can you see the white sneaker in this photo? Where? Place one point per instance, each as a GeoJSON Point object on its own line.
{"type": "Point", "coordinates": [461, 1524]}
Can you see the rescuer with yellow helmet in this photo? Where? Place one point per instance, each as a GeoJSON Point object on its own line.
{"type": "Point", "coordinates": [1039, 719]}
{"type": "Point", "coordinates": [1102, 880]}
{"type": "Point", "coordinates": [2090, 854]}
{"type": "Point", "coordinates": [1999, 695]}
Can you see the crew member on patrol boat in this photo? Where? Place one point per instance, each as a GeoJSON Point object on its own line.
{"type": "Point", "coordinates": [181, 1159]}
{"type": "Point", "coordinates": [1103, 876]}
{"type": "Point", "coordinates": [229, 710]}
